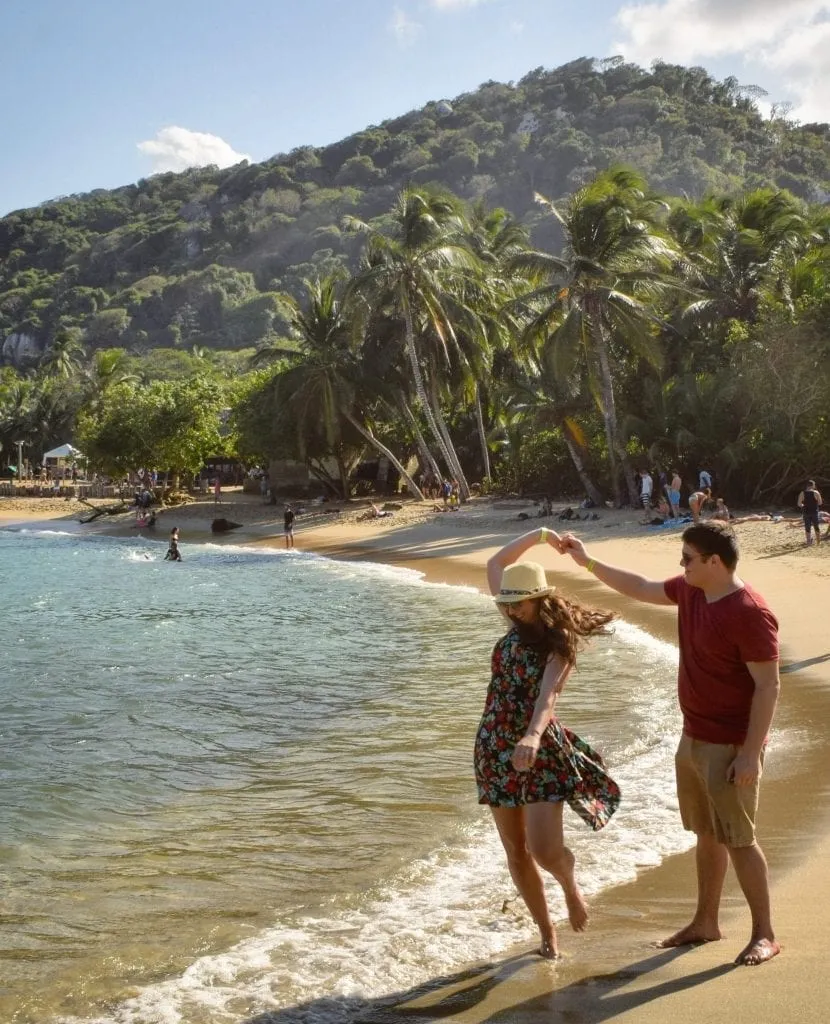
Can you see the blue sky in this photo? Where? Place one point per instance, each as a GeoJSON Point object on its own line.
{"type": "Point", "coordinates": [98, 93]}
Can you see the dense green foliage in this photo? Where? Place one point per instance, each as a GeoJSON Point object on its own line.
{"type": "Point", "coordinates": [205, 258]}
{"type": "Point", "coordinates": [676, 317]}
{"type": "Point", "coordinates": [174, 424]}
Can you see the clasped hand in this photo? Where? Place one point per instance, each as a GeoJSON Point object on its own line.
{"type": "Point", "coordinates": [567, 544]}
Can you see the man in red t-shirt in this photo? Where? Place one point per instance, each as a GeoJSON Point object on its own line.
{"type": "Point", "coordinates": [728, 688]}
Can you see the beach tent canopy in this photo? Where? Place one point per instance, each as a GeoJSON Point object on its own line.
{"type": "Point", "coordinates": [64, 451]}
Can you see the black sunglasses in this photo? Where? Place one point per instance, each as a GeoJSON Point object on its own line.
{"type": "Point", "coordinates": [685, 559]}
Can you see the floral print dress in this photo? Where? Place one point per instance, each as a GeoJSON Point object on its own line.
{"type": "Point", "coordinates": [566, 768]}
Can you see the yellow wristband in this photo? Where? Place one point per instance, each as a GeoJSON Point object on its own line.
{"type": "Point", "coordinates": [590, 565]}
{"type": "Point", "coordinates": [543, 535]}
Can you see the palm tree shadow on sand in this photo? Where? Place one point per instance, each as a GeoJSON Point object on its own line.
{"type": "Point", "coordinates": [590, 1000]}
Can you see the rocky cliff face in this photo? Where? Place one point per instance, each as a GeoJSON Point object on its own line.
{"type": "Point", "coordinates": [18, 349]}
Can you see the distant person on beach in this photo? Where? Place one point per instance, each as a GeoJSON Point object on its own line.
{"type": "Point", "coordinates": [173, 553]}
{"type": "Point", "coordinates": [646, 489]}
{"type": "Point", "coordinates": [674, 493]}
{"type": "Point", "coordinates": [662, 486]}
{"type": "Point", "coordinates": [697, 502]}
{"type": "Point", "coordinates": [721, 512]}
{"type": "Point", "coordinates": [704, 481]}
{"type": "Point", "coordinates": [288, 526]}
{"type": "Point", "coordinates": [526, 762]}
{"type": "Point", "coordinates": [217, 491]}
{"type": "Point", "coordinates": [728, 689]}
{"type": "Point", "coordinates": [810, 501]}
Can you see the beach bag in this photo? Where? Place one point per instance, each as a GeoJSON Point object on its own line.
{"type": "Point", "coordinates": [591, 792]}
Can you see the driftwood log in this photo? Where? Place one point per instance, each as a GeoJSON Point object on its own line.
{"type": "Point", "coordinates": [102, 510]}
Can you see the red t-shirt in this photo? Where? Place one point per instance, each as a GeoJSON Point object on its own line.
{"type": "Point", "coordinates": [716, 640]}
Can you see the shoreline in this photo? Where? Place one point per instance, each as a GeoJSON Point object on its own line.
{"type": "Point", "coordinates": [612, 971]}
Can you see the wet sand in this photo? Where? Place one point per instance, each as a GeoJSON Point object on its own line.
{"type": "Point", "coordinates": [613, 971]}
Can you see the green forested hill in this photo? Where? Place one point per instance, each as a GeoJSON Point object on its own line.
{"type": "Point", "coordinates": [201, 258]}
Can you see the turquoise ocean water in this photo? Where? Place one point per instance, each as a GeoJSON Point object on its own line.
{"type": "Point", "coordinates": [243, 783]}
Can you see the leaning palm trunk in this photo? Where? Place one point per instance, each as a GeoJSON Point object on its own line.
{"type": "Point", "coordinates": [591, 488]}
{"type": "Point", "coordinates": [317, 470]}
{"type": "Point", "coordinates": [420, 391]}
{"type": "Point", "coordinates": [343, 471]}
{"type": "Point", "coordinates": [482, 437]}
{"type": "Point", "coordinates": [609, 416]}
{"type": "Point", "coordinates": [457, 471]}
{"type": "Point", "coordinates": [413, 488]}
{"type": "Point", "coordinates": [427, 458]}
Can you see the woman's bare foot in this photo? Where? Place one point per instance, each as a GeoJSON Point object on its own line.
{"type": "Point", "coordinates": [758, 952]}
{"type": "Point", "coordinates": [577, 909]}
{"type": "Point", "coordinates": [691, 935]}
{"type": "Point", "coordinates": [548, 949]}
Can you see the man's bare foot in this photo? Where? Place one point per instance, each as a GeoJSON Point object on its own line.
{"type": "Point", "coordinates": [691, 935]}
{"type": "Point", "coordinates": [577, 909]}
{"type": "Point", "coordinates": [548, 949]}
{"type": "Point", "coordinates": [758, 952]}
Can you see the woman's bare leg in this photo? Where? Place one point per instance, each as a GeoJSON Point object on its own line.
{"type": "Point", "coordinates": [510, 822]}
{"type": "Point", "coordinates": [546, 839]}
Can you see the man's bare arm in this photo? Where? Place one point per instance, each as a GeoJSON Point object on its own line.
{"type": "Point", "coordinates": [630, 584]}
{"type": "Point", "coordinates": [746, 767]}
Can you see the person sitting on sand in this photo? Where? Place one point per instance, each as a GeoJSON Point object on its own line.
{"type": "Point", "coordinates": [377, 513]}
{"type": "Point", "coordinates": [728, 686]}
{"type": "Point", "coordinates": [721, 512]}
{"type": "Point", "coordinates": [526, 763]}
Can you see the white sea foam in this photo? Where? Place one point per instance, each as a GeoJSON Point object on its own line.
{"type": "Point", "coordinates": [40, 532]}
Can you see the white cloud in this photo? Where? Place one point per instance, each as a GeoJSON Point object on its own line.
{"type": "Point", "coordinates": [789, 37]}
{"type": "Point", "coordinates": [403, 28]}
{"type": "Point", "coordinates": [517, 27]}
{"type": "Point", "coordinates": [176, 149]}
{"type": "Point", "coordinates": [449, 5]}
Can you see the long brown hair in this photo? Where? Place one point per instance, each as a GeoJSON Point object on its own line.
{"type": "Point", "coordinates": [562, 627]}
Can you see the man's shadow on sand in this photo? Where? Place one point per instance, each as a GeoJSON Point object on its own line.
{"type": "Point", "coordinates": [590, 1000]}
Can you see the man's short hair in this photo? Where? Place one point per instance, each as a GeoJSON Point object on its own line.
{"type": "Point", "coordinates": [713, 538]}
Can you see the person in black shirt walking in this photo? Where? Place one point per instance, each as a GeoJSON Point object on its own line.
{"type": "Point", "coordinates": [288, 520]}
{"type": "Point", "coordinates": [810, 501]}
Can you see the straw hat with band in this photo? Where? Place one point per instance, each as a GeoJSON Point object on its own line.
{"type": "Point", "coordinates": [523, 581]}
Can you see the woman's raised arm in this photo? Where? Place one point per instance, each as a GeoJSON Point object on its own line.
{"type": "Point", "coordinates": [513, 551]}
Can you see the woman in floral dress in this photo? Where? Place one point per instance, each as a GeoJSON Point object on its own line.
{"type": "Point", "coordinates": [527, 764]}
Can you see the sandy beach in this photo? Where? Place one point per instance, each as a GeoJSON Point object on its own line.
{"type": "Point", "coordinates": [612, 972]}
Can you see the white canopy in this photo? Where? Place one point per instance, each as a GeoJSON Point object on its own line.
{"type": "Point", "coordinates": [64, 451]}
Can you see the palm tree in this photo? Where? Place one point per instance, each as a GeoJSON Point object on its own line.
{"type": "Point", "coordinates": [596, 301]}
{"type": "Point", "coordinates": [65, 355]}
{"type": "Point", "coordinates": [321, 388]}
{"type": "Point", "coordinates": [740, 252]}
{"type": "Point", "coordinates": [495, 238]}
{"type": "Point", "coordinates": [410, 276]}
{"type": "Point", "coordinates": [107, 368]}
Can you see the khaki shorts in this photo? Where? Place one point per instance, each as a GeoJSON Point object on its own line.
{"type": "Point", "coordinates": [709, 805]}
